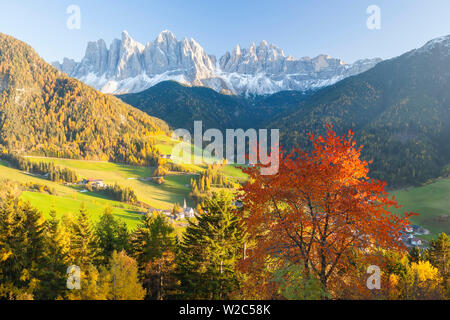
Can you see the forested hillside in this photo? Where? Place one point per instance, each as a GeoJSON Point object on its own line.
{"type": "Point", "coordinates": [180, 106]}
{"type": "Point", "coordinates": [400, 111]}
{"type": "Point", "coordinates": [42, 111]}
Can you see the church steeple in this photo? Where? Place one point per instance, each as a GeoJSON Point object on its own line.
{"type": "Point", "coordinates": [184, 206]}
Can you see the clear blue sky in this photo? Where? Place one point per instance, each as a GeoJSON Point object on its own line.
{"type": "Point", "coordinates": [300, 27]}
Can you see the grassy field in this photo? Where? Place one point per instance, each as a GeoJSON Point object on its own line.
{"type": "Point", "coordinates": [234, 171]}
{"type": "Point", "coordinates": [95, 206]}
{"type": "Point", "coordinates": [431, 202]}
{"type": "Point", "coordinates": [68, 199]}
{"type": "Point", "coordinates": [175, 190]}
{"type": "Point", "coordinates": [165, 145]}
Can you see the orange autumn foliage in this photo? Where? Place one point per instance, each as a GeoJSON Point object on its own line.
{"type": "Point", "coordinates": [318, 208]}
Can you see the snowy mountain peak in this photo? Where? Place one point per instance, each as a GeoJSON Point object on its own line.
{"type": "Point", "coordinates": [129, 66]}
{"type": "Point", "coordinates": [237, 50]}
{"type": "Point", "coordinates": [437, 41]}
{"type": "Point", "coordinates": [442, 42]}
{"type": "Point", "coordinates": [125, 34]}
{"type": "Point", "coordinates": [166, 36]}
{"type": "Point", "coordinates": [130, 44]}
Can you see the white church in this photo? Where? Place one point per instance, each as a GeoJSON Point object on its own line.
{"type": "Point", "coordinates": [187, 211]}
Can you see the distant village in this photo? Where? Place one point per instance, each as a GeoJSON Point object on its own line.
{"type": "Point", "coordinates": [185, 213]}
{"type": "Point", "coordinates": [409, 236]}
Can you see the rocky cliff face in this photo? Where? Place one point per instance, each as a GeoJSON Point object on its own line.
{"type": "Point", "coordinates": [128, 67]}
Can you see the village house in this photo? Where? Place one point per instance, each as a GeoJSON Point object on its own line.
{"type": "Point", "coordinates": [180, 216]}
{"type": "Point", "coordinates": [165, 213]}
{"type": "Point", "coordinates": [186, 213]}
{"type": "Point", "coordinates": [416, 242]}
{"type": "Point", "coordinates": [408, 236]}
{"type": "Point", "coordinates": [94, 182]}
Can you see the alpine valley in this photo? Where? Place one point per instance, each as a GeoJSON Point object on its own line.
{"type": "Point", "coordinates": [399, 111]}
{"type": "Point", "coordinates": [158, 171]}
{"type": "Point", "coordinates": [398, 108]}
{"type": "Point", "coordinates": [88, 178]}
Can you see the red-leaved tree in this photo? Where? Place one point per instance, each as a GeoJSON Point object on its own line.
{"type": "Point", "coordinates": [319, 208]}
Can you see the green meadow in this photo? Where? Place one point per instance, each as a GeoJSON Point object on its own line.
{"type": "Point", "coordinates": [95, 206]}
{"type": "Point", "coordinates": [431, 202]}
{"type": "Point", "coordinates": [68, 200]}
{"type": "Point", "coordinates": [234, 171]}
{"type": "Point", "coordinates": [175, 190]}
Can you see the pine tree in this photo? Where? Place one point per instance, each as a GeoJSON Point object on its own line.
{"type": "Point", "coordinates": [112, 235]}
{"type": "Point", "coordinates": [208, 183]}
{"type": "Point", "coordinates": [151, 239]}
{"type": "Point", "coordinates": [210, 250]}
{"type": "Point", "coordinates": [12, 242]}
{"type": "Point", "coordinates": [56, 259]}
{"type": "Point", "coordinates": [202, 184]}
{"type": "Point", "coordinates": [21, 247]}
{"type": "Point", "coordinates": [83, 240]}
{"type": "Point", "coordinates": [438, 254]}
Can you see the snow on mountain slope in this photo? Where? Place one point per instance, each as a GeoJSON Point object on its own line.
{"type": "Point", "coordinates": [129, 67]}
